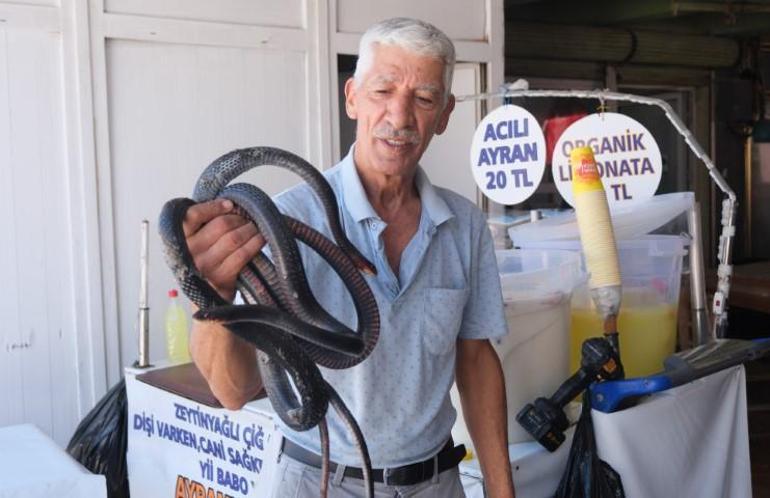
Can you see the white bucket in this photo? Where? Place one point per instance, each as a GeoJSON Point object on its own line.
{"type": "Point", "coordinates": [537, 286]}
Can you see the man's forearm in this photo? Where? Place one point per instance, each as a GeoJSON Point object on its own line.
{"type": "Point", "coordinates": [481, 385]}
{"type": "Point", "coordinates": [227, 362]}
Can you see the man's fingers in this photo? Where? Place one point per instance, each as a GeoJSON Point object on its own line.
{"type": "Point", "coordinates": [220, 243]}
{"type": "Point", "coordinates": [232, 265]}
{"type": "Point", "coordinates": [253, 246]}
{"type": "Point", "coordinates": [224, 274]}
{"type": "Point", "coordinates": [221, 226]}
{"type": "Point", "coordinates": [235, 245]}
{"type": "Point", "coordinates": [200, 214]}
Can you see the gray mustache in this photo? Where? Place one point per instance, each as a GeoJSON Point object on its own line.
{"type": "Point", "coordinates": [389, 133]}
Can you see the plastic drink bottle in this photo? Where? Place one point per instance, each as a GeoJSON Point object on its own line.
{"type": "Point", "coordinates": [176, 330]}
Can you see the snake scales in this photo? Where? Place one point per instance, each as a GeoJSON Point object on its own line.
{"type": "Point", "coordinates": [290, 330]}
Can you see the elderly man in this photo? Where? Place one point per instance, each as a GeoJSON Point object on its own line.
{"type": "Point", "coordinates": [437, 289]}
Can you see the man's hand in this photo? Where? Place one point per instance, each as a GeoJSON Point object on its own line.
{"type": "Point", "coordinates": [481, 385]}
{"type": "Point", "coordinates": [221, 243]}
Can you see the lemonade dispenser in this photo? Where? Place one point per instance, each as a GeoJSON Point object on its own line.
{"type": "Point", "coordinates": [651, 269]}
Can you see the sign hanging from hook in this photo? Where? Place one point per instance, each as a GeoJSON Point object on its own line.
{"type": "Point", "coordinates": [508, 155]}
{"type": "Point", "coordinates": [627, 156]}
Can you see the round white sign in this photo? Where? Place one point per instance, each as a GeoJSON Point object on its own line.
{"type": "Point", "coordinates": [508, 155]}
{"type": "Point", "coordinates": [627, 156]}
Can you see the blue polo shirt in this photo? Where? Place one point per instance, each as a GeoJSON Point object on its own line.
{"type": "Point", "coordinates": [447, 288]}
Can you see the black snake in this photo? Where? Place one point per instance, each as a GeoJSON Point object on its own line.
{"type": "Point", "coordinates": [291, 331]}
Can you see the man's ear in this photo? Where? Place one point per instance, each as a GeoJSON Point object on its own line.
{"type": "Point", "coordinates": [350, 98]}
{"type": "Point", "coordinates": [443, 120]}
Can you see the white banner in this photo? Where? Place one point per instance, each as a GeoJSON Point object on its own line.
{"type": "Point", "coordinates": [178, 448]}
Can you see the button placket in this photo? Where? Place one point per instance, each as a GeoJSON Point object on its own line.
{"type": "Point", "coordinates": [387, 279]}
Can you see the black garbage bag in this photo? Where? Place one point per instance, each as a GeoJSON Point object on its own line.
{"type": "Point", "coordinates": [101, 440]}
{"type": "Point", "coordinates": [586, 475]}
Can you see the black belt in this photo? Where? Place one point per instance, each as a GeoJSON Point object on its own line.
{"type": "Point", "coordinates": [448, 457]}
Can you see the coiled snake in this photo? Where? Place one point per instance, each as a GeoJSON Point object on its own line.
{"type": "Point", "coordinates": [290, 330]}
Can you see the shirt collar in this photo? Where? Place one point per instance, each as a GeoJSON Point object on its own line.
{"type": "Point", "coordinates": [353, 192]}
{"type": "Point", "coordinates": [432, 202]}
{"type": "Point", "coordinates": [360, 208]}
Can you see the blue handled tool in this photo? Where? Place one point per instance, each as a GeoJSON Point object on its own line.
{"type": "Point", "coordinates": [679, 369]}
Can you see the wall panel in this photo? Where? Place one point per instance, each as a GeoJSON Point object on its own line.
{"type": "Point", "coordinates": [447, 159]}
{"type": "Point", "coordinates": [459, 19]}
{"type": "Point", "coordinates": [286, 13]}
{"type": "Point", "coordinates": [173, 109]}
{"type": "Point", "coordinates": [36, 2]}
{"type": "Point", "coordinates": [38, 376]}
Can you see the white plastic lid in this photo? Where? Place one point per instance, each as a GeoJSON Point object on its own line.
{"type": "Point", "coordinates": [627, 222]}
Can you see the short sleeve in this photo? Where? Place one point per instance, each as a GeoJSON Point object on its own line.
{"type": "Point", "coordinates": [484, 317]}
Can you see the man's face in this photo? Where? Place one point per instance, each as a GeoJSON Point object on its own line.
{"type": "Point", "coordinates": [398, 107]}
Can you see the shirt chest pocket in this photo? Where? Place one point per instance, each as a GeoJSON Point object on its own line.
{"type": "Point", "coordinates": [442, 317]}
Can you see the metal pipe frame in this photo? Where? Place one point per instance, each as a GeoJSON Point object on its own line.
{"type": "Point", "coordinates": [700, 320]}
{"type": "Point", "coordinates": [144, 309]}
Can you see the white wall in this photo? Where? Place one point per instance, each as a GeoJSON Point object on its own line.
{"type": "Point", "coordinates": [459, 19]}
{"type": "Point", "coordinates": [38, 381]}
{"type": "Point", "coordinates": [110, 107]}
{"type": "Point", "coordinates": [447, 159]}
{"type": "Point", "coordinates": [159, 142]}
{"type": "Point", "coordinates": [178, 84]}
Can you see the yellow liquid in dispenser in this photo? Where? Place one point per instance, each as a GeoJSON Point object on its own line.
{"type": "Point", "coordinates": [647, 336]}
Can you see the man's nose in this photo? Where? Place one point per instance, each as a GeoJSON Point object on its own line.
{"type": "Point", "coordinates": [401, 112]}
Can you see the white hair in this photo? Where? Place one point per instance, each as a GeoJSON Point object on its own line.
{"type": "Point", "coordinates": [413, 35]}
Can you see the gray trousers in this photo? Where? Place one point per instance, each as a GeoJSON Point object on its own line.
{"type": "Point", "coordinates": [296, 480]}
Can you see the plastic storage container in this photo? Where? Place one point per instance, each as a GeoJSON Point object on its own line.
{"type": "Point", "coordinates": [628, 222]}
{"type": "Point", "coordinates": [536, 285]}
{"type": "Point", "coordinates": [651, 268]}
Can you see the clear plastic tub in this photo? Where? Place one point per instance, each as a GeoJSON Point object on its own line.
{"type": "Point", "coordinates": [651, 268]}
{"type": "Point", "coordinates": [536, 285]}
{"type": "Point", "coordinates": [628, 222]}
